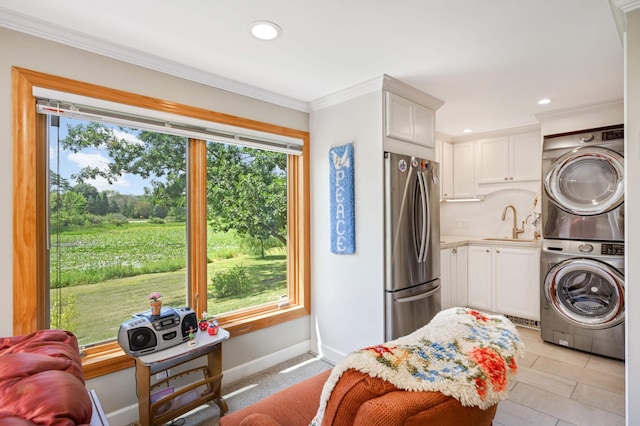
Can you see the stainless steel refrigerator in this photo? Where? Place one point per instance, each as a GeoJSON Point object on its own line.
{"type": "Point", "coordinates": [412, 243]}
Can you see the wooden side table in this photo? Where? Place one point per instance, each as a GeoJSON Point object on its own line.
{"type": "Point", "coordinates": [206, 388]}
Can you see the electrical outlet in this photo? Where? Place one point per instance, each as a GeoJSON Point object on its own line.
{"type": "Point", "coordinates": [162, 375]}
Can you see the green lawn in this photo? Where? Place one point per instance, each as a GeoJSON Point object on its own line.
{"type": "Point", "coordinates": [101, 305]}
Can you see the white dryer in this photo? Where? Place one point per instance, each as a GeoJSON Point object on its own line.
{"type": "Point", "coordinates": [582, 299]}
{"type": "Point", "coordinates": [583, 178]}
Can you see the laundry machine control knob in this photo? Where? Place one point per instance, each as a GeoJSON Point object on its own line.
{"type": "Point", "coordinates": [585, 248]}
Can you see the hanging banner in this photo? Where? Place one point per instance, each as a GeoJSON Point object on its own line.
{"type": "Point", "coordinates": [342, 204]}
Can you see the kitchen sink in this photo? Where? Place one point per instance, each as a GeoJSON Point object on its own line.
{"type": "Point", "coordinates": [509, 240]}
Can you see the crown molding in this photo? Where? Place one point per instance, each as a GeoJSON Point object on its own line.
{"type": "Point", "coordinates": [626, 5]}
{"type": "Point", "coordinates": [584, 109]}
{"type": "Point", "coordinates": [378, 83]}
{"type": "Point", "coordinates": [52, 32]}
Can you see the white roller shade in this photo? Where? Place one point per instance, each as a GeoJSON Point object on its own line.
{"type": "Point", "coordinates": [54, 102]}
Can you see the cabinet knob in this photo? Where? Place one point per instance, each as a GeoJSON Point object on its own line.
{"type": "Point", "coordinates": [511, 178]}
{"type": "Point", "coordinates": [454, 251]}
{"type": "Point", "coordinates": [506, 178]}
{"type": "Point", "coordinates": [497, 251]}
{"type": "Point", "coordinates": [487, 250]}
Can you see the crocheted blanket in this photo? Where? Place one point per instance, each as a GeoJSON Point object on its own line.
{"type": "Point", "coordinates": [462, 353]}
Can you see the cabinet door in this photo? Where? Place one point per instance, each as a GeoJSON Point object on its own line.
{"type": "Point", "coordinates": [517, 281]}
{"type": "Point", "coordinates": [479, 277]}
{"type": "Point", "coordinates": [446, 171]}
{"type": "Point", "coordinates": [526, 156]}
{"type": "Point", "coordinates": [463, 184]}
{"type": "Point", "coordinates": [409, 121]}
{"type": "Point", "coordinates": [399, 117]}
{"type": "Point", "coordinates": [459, 293]}
{"type": "Point", "coordinates": [423, 126]}
{"type": "Point", "coordinates": [492, 160]}
{"type": "Point", "coordinates": [445, 278]}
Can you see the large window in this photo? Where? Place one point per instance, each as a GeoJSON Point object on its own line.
{"type": "Point", "coordinates": [118, 212]}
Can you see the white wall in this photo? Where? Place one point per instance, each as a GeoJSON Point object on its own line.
{"type": "Point", "coordinates": [632, 202]}
{"type": "Point", "coordinates": [347, 290]}
{"type": "Point", "coordinates": [267, 346]}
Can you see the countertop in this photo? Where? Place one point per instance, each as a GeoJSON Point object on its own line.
{"type": "Point", "coordinates": [451, 241]}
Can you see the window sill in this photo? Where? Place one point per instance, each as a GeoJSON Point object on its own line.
{"type": "Point", "coordinates": [110, 357]}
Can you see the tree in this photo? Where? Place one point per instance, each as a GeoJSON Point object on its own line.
{"type": "Point", "coordinates": [155, 156]}
{"type": "Point", "coordinates": [247, 191]}
{"type": "Point", "coordinates": [247, 188]}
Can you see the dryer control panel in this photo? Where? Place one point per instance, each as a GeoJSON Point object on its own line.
{"type": "Point", "coordinates": [612, 249]}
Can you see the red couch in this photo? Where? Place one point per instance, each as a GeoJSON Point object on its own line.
{"type": "Point", "coordinates": [41, 381]}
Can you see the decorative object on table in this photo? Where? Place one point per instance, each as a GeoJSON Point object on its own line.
{"type": "Point", "coordinates": [192, 336]}
{"type": "Point", "coordinates": [155, 302]}
{"type": "Point", "coordinates": [203, 324]}
{"type": "Point", "coordinates": [213, 327]}
{"type": "Point", "coordinates": [342, 200]}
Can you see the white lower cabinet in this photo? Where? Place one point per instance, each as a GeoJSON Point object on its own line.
{"type": "Point", "coordinates": [453, 277]}
{"type": "Point", "coordinates": [505, 279]}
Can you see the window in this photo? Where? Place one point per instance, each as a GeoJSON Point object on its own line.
{"type": "Point", "coordinates": [281, 188]}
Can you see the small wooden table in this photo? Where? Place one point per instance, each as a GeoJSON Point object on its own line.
{"type": "Point", "coordinates": [186, 398]}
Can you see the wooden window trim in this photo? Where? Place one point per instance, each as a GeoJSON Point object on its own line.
{"type": "Point", "coordinates": [29, 212]}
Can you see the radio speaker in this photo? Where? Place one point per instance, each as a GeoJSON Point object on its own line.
{"type": "Point", "coordinates": [142, 338]}
{"type": "Point", "coordinates": [189, 322]}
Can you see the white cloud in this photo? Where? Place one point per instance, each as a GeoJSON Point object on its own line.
{"type": "Point", "coordinates": [126, 136]}
{"type": "Point", "coordinates": [82, 160]}
{"type": "Point", "coordinates": [101, 162]}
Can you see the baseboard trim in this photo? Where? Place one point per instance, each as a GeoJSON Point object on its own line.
{"type": "Point", "coordinates": [331, 354]}
{"type": "Point", "coordinates": [255, 366]}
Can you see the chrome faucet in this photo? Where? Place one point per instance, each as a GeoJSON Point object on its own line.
{"type": "Point", "coordinates": [515, 231]}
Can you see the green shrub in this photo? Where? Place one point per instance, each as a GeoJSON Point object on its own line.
{"type": "Point", "coordinates": [231, 282]}
{"type": "Point", "coordinates": [64, 315]}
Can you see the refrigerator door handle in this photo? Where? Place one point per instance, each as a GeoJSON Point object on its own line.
{"type": "Point", "coordinates": [417, 297]}
{"type": "Point", "coordinates": [423, 219]}
{"type": "Point", "coordinates": [427, 213]}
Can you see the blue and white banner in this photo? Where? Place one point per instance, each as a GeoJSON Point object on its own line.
{"type": "Point", "coordinates": [343, 213]}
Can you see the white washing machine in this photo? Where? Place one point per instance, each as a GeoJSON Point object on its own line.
{"type": "Point", "coordinates": [583, 178]}
{"type": "Point", "coordinates": [582, 300]}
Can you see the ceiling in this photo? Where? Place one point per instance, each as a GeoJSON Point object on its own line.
{"type": "Point", "coordinates": [489, 61]}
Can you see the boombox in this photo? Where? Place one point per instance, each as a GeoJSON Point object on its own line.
{"type": "Point", "coordinates": [146, 333]}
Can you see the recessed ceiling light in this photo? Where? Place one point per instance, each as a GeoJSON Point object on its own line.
{"type": "Point", "coordinates": [265, 30]}
{"type": "Point", "coordinates": [467, 131]}
{"type": "Point", "coordinates": [544, 101]}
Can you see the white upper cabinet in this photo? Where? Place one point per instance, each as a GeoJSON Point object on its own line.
{"type": "Point", "coordinates": [444, 157]}
{"type": "Point", "coordinates": [509, 161]}
{"type": "Point", "coordinates": [409, 121]}
{"type": "Point", "coordinates": [456, 169]}
{"type": "Point", "coordinates": [463, 170]}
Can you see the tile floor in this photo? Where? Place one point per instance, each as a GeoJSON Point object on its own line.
{"type": "Point", "coordinates": [560, 386]}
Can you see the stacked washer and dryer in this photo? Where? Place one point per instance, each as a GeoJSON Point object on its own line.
{"type": "Point", "coordinates": [582, 261]}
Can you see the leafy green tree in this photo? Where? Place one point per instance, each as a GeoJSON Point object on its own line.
{"type": "Point", "coordinates": [144, 209]}
{"type": "Point", "coordinates": [247, 191]}
{"type": "Point", "coordinates": [247, 188]}
{"type": "Point", "coordinates": [155, 156]}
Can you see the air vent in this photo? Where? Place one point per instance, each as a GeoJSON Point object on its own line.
{"type": "Point", "coordinates": [525, 322]}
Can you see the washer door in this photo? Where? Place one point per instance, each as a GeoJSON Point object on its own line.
{"type": "Point", "coordinates": [587, 181]}
{"type": "Point", "coordinates": [586, 292]}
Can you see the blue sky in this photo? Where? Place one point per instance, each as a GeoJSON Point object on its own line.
{"type": "Point", "coordinates": [71, 162]}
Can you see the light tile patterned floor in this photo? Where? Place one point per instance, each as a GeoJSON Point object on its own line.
{"type": "Point", "coordinates": [558, 386]}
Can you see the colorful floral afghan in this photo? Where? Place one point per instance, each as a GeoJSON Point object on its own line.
{"type": "Point", "coordinates": [462, 353]}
